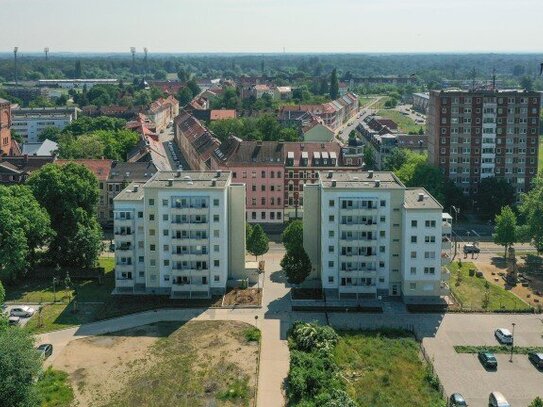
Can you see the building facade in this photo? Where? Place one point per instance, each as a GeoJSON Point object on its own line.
{"type": "Point", "coordinates": [162, 112]}
{"type": "Point", "coordinates": [5, 124]}
{"type": "Point", "coordinates": [473, 135]}
{"type": "Point", "coordinates": [178, 235]}
{"type": "Point", "coordinates": [29, 122]}
{"type": "Point", "coordinates": [367, 235]}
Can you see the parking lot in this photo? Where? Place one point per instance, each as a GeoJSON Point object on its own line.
{"type": "Point", "coordinates": [22, 320]}
{"type": "Point", "coordinates": [520, 382]}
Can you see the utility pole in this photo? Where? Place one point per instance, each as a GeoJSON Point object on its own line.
{"type": "Point", "coordinates": [15, 49]}
{"type": "Point", "coordinates": [46, 51]}
{"type": "Point", "coordinates": [512, 342]}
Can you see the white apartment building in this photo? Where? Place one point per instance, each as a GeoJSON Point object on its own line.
{"type": "Point", "coordinates": [30, 122]}
{"type": "Point", "coordinates": [178, 234]}
{"type": "Point", "coordinates": [367, 235]}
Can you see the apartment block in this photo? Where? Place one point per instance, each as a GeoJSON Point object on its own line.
{"type": "Point", "coordinates": [178, 234]}
{"type": "Point", "coordinates": [369, 236]}
{"type": "Point", "coordinates": [29, 122]}
{"type": "Point", "coordinates": [477, 134]}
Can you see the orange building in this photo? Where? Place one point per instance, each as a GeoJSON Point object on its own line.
{"type": "Point", "coordinates": [5, 124]}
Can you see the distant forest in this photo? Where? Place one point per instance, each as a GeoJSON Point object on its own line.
{"type": "Point", "coordinates": [430, 69]}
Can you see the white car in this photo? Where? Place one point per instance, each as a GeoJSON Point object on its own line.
{"type": "Point", "coordinates": [504, 336]}
{"type": "Point", "coordinates": [22, 311]}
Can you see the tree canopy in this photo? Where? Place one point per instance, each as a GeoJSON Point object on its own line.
{"type": "Point", "coordinates": [266, 127]}
{"type": "Point", "coordinates": [334, 85]}
{"type": "Point", "coordinates": [506, 226]}
{"type": "Point", "coordinates": [296, 265]}
{"type": "Point", "coordinates": [259, 242]}
{"type": "Point", "coordinates": [293, 236]}
{"type": "Point", "coordinates": [69, 193]}
{"type": "Point", "coordinates": [532, 211]}
{"type": "Point", "coordinates": [494, 193]}
{"type": "Point", "coordinates": [112, 144]}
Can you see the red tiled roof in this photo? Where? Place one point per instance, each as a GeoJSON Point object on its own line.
{"type": "Point", "coordinates": [100, 168]}
{"type": "Point", "coordinates": [222, 114]}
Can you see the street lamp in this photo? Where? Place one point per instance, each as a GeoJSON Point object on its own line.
{"type": "Point", "coordinates": [456, 211]}
{"type": "Point", "coordinates": [512, 342]}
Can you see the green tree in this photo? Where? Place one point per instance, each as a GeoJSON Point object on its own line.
{"type": "Point", "coordinates": [296, 265]}
{"type": "Point", "coordinates": [184, 96]}
{"type": "Point", "coordinates": [259, 242]}
{"type": "Point", "coordinates": [506, 226]}
{"type": "Point", "coordinates": [352, 135]}
{"type": "Point", "coordinates": [78, 72]}
{"type": "Point", "coordinates": [20, 365]}
{"type": "Point", "coordinates": [494, 193]}
{"type": "Point", "coordinates": [2, 294]}
{"type": "Point", "coordinates": [323, 88]}
{"type": "Point", "coordinates": [334, 85]}
{"type": "Point", "coordinates": [50, 133]}
{"type": "Point", "coordinates": [538, 402]}
{"type": "Point", "coordinates": [85, 146]}
{"type": "Point", "coordinates": [193, 86]}
{"type": "Point", "coordinates": [69, 193]}
{"type": "Point", "coordinates": [183, 75]}
{"type": "Point", "coordinates": [395, 160]}
{"type": "Point", "coordinates": [369, 158]}
{"type": "Point", "coordinates": [293, 236]}
{"type": "Point", "coordinates": [532, 211]}
{"type": "Point", "coordinates": [248, 233]}
{"type": "Point", "coordinates": [85, 125]}
{"type": "Point", "coordinates": [24, 226]}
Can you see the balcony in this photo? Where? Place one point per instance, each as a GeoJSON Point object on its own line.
{"type": "Point", "coordinates": [123, 233]}
{"type": "Point", "coordinates": [124, 248]}
{"type": "Point", "coordinates": [445, 259]}
{"type": "Point", "coordinates": [362, 289]}
{"type": "Point", "coordinates": [124, 267]}
{"type": "Point", "coordinates": [124, 282]}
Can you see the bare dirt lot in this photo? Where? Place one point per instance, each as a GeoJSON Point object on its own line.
{"type": "Point", "coordinates": [199, 363]}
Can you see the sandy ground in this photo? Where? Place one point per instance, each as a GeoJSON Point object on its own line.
{"type": "Point", "coordinates": [100, 367]}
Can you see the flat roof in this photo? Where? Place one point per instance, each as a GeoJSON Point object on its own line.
{"type": "Point", "coordinates": [133, 192]}
{"type": "Point", "coordinates": [359, 180]}
{"type": "Point", "coordinates": [190, 179]}
{"type": "Point", "coordinates": [412, 199]}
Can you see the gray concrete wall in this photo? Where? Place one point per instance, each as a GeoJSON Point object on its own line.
{"type": "Point", "coordinates": [236, 232]}
{"type": "Point", "coordinates": [312, 228]}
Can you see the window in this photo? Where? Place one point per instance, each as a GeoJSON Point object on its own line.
{"type": "Point", "coordinates": [331, 218]}
{"type": "Point", "coordinates": [413, 255]}
{"type": "Point", "coordinates": [216, 248]}
{"type": "Point", "coordinates": [216, 233]}
{"type": "Point", "coordinates": [152, 247]}
{"type": "Point", "coordinates": [166, 264]}
{"type": "Point", "coordinates": [153, 262]}
{"type": "Point", "coordinates": [382, 219]}
{"type": "Point", "coordinates": [330, 249]}
{"type": "Point", "coordinates": [331, 263]}
{"type": "Point", "coordinates": [412, 286]}
{"type": "Point", "coordinates": [429, 239]}
{"type": "Point", "coordinates": [151, 216]}
{"type": "Point", "coordinates": [140, 259]}
{"type": "Point", "coordinates": [166, 248]}
{"type": "Point", "coordinates": [413, 223]}
{"type": "Point", "coordinates": [383, 203]}
{"type": "Point", "coordinates": [215, 218]}
{"type": "Point", "coordinates": [165, 217]}
{"type": "Point", "coordinates": [331, 203]}
{"type": "Point", "coordinates": [253, 188]}
{"type": "Point", "coordinates": [429, 270]}
{"type": "Point", "coordinates": [381, 233]}
{"type": "Point", "coordinates": [413, 270]}
{"type": "Point", "coordinates": [140, 215]}
{"type": "Point", "coordinates": [216, 263]}
{"type": "Point", "coordinates": [151, 202]}
{"type": "Point", "coordinates": [330, 279]}
{"type": "Point", "coordinates": [381, 249]}
{"type": "Point", "coordinates": [330, 233]}
{"type": "Point", "coordinates": [430, 223]}
{"type": "Point", "coordinates": [215, 202]}
{"type": "Point", "coordinates": [151, 232]}
{"type": "Point", "coordinates": [164, 202]}
{"type": "Point", "coordinates": [413, 239]}
{"type": "Point", "coordinates": [263, 175]}
{"type": "Point", "coordinates": [165, 232]}
{"type": "Point", "coordinates": [216, 278]}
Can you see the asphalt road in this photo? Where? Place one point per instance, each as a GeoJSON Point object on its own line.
{"type": "Point", "coordinates": [360, 116]}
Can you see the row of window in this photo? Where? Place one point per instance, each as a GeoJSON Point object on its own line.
{"type": "Point", "coordinates": [272, 215]}
{"type": "Point", "coordinates": [263, 174]}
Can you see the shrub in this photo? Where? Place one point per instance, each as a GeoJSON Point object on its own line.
{"type": "Point", "coordinates": [312, 336]}
{"type": "Point", "coordinates": [252, 335]}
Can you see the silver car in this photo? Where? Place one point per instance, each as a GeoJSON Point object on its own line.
{"type": "Point", "coordinates": [23, 311]}
{"type": "Point", "coordinates": [504, 336]}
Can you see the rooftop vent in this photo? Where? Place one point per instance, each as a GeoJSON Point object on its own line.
{"type": "Point", "coordinates": [330, 174]}
{"type": "Point", "coordinates": [219, 172]}
{"type": "Point", "coordinates": [421, 197]}
{"type": "Point", "coordinates": [190, 183]}
{"type": "Point", "coordinates": [136, 187]}
{"type": "Point", "coordinates": [214, 182]}
{"type": "Point", "coordinates": [377, 183]}
{"type": "Point", "coordinates": [370, 174]}
{"type": "Point", "coordinates": [186, 178]}
{"type": "Point", "coordinates": [334, 182]}
{"type": "Point", "coordinates": [178, 173]}
{"type": "Point", "coordinates": [170, 182]}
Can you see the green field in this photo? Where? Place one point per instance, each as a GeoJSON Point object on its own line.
{"type": "Point", "coordinates": [54, 389]}
{"type": "Point", "coordinates": [405, 123]}
{"type": "Point", "coordinates": [384, 369]}
{"type": "Point", "coordinates": [476, 293]}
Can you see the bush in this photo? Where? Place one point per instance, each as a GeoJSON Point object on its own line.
{"type": "Point", "coordinates": [312, 336]}
{"type": "Point", "coordinates": [252, 335]}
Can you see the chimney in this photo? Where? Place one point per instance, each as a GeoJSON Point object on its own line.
{"type": "Point", "coordinates": [136, 187]}
{"type": "Point", "coordinates": [170, 182]}
{"type": "Point", "coordinates": [421, 197]}
{"type": "Point", "coordinates": [219, 172]}
{"type": "Point", "coordinates": [377, 183]}
{"type": "Point", "coordinates": [334, 183]}
{"type": "Point", "coordinates": [213, 182]}
{"type": "Point", "coordinates": [330, 174]}
{"type": "Point", "coordinates": [370, 174]}
{"type": "Point", "coordinates": [178, 174]}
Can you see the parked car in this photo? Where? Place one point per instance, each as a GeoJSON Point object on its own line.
{"type": "Point", "coordinates": [496, 399]}
{"type": "Point", "coordinates": [457, 400]}
{"type": "Point", "coordinates": [488, 360]}
{"type": "Point", "coordinates": [22, 311]}
{"type": "Point", "coordinates": [471, 248]}
{"type": "Point", "coordinates": [503, 336]}
{"type": "Point", "coordinates": [536, 359]}
{"type": "Point", "coordinates": [45, 350]}
{"type": "Point", "coordinates": [14, 321]}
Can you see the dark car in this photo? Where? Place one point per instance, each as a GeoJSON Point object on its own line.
{"type": "Point", "coordinates": [536, 359]}
{"type": "Point", "coordinates": [457, 400]}
{"type": "Point", "coordinates": [471, 248]}
{"type": "Point", "coordinates": [45, 350]}
{"type": "Point", "coordinates": [488, 360]}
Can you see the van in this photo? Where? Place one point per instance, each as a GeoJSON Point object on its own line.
{"type": "Point", "coordinates": [496, 399]}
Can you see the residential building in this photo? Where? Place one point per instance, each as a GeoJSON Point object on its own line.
{"type": "Point", "coordinates": [5, 125]}
{"type": "Point", "coordinates": [310, 126]}
{"type": "Point", "coordinates": [162, 112]}
{"type": "Point", "coordinates": [333, 114]}
{"type": "Point", "coordinates": [29, 122]}
{"type": "Point", "coordinates": [121, 112]}
{"type": "Point", "coordinates": [476, 134]}
{"type": "Point", "coordinates": [17, 169]}
{"type": "Point", "coordinates": [353, 153]}
{"type": "Point", "coordinates": [149, 147]}
{"type": "Point", "coordinates": [283, 92]}
{"type": "Point", "coordinates": [178, 234]}
{"type": "Point", "coordinates": [421, 102]}
{"type": "Point", "coordinates": [369, 236]}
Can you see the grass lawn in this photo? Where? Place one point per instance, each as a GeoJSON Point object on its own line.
{"type": "Point", "coordinates": [60, 316]}
{"type": "Point", "coordinates": [477, 293]}
{"type": "Point", "coordinates": [54, 389]}
{"type": "Point", "coordinates": [384, 369]}
{"type": "Point", "coordinates": [405, 123]}
{"type": "Point", "coordinates": [364, 100]}
{"type": "Point", "coordinates": [498, 349]}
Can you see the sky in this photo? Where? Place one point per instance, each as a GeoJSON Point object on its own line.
{"type": "Point", "coordinates": [337, 26]}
